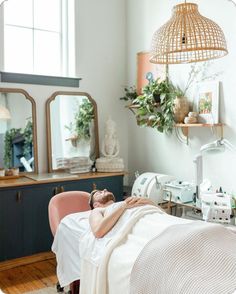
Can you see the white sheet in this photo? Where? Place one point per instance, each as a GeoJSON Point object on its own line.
{"type": "Point", "coordinates": [66, 246]}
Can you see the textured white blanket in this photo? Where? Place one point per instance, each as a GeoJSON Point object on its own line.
{"type": "Point", "coordinates": [95, 253]}
{"type": "Point", "coordinates": [113, 271]}
{"type": "Point", "coordinates": [196, 258]}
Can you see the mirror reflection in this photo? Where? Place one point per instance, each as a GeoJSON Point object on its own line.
{"type": "Point", "coordinates": [17, 132]}
{"type": "Point", "coordinates": [72, 119]}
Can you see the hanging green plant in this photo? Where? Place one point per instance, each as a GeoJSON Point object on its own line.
{"type": "Point", "coordinates": [154, 108]}
{"type": "Point", "coordinates": [130, 94]}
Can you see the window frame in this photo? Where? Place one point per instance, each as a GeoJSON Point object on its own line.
{"type": "Point", "coordinates": [67, 65]}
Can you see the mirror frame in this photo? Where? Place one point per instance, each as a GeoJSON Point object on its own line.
{"type": "Point", "coordinates": [48, 123]}
{"type": "Point", "coordinates": [34, 121]}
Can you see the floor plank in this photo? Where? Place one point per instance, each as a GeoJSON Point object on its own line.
{"type": "Point", "coordinates": [28, 277]}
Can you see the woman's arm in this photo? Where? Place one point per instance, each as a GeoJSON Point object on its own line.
{"type": "Point", "coordinates": [100, 224]}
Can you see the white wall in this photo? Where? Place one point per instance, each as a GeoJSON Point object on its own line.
{"type": "Point", "coordinates": [103, 36]}
{"type": "Point", "coordinates": [150, 150]}
{"type": "Point", "coordinates": [102, 61]}
{"type": "Point", "coordinates": [101, 46]}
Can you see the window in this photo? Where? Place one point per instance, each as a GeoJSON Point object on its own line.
{"type": "Point", "coordinates": [39, 37]}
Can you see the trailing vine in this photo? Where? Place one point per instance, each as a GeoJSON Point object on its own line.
{"type": "Point", "coordinates": [81, 126]}
{"type": "Point", "coordinates": [9, 136]}
{"type": "Point", "coordinates": [28, 139]}
{"type": "Point", "coordinates": [83, 119]}
{"type": "Point", "coordinates": [154, 107]}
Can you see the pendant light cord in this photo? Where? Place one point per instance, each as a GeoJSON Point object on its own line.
{"type": "Point", "coordinates": [233, 1]}
{"type": "Point", "coordinates": [1, 2]}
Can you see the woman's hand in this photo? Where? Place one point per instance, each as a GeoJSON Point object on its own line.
{"type": "Point", "coordinates": [134, 201]}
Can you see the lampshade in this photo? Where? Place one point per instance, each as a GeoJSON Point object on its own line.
{"type": "Point", "coordinates": [187, 37]}
{"type": "Point", "coordinates": [1, 1]}
{"type": "Point", "coordinates": [4, 113]}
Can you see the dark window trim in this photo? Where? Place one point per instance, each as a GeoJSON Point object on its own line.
{"type": "Point", "coordinates": [8, 77]}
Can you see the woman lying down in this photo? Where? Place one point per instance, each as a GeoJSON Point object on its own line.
{"type": "Point", "coordinates": [134, 247]}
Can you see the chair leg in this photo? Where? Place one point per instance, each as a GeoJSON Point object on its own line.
{"type": "Point", "coordinates": [59, 288]}
{"type": "Point", "coordinates": [74, 287]}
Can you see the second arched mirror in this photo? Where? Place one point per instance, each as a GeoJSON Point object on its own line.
{"type": "Point", "coordinates": [72, 131]}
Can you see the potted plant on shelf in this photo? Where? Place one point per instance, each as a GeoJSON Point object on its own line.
{"type": "Point", "coordinates": [181, 105]}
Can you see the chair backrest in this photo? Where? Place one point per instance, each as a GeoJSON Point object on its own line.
{"type": "Point", "coordinates": [66, 203]}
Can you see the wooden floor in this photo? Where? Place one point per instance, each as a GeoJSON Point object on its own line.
{"type": "Point", "coordinates": [28, 277]}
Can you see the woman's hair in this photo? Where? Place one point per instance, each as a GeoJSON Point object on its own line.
{"type": "Point", "coordinates": [91, 198]}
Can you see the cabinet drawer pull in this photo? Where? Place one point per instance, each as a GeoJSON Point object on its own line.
{"type": "Point", "coordinates": [56, 191]}
{"type": "Point", "coordinates": [62, 189]}
{"type": "Point", "coordinates": [18, 196]}
{"type": "Point", "coordinates": [94, 186]}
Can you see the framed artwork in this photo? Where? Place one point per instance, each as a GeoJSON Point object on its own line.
{"type": "Point", "coordinates": [147, 70]}
{"type": "Point", "coordinates": [208, 102]}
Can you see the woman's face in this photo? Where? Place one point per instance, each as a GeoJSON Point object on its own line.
{"type": "Point", "coordinates": [100, 198]}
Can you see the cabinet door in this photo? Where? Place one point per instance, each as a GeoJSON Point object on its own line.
{"type": "Point", "coordinates": [24, 221]}
{"type": "Point", "coordinates": [113, 184]}
{"type": "Point", "coordinates": [11, 224]}
{"type": "Point", "coordinates": [79, 185]}
{"type": "Point", "coordinates": [1, 228]}
{"type": "Point", "coordinates": [37, 233]}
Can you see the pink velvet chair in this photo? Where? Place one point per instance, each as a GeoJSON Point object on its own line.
{"type": "Point", "coordinates": [61, 205]}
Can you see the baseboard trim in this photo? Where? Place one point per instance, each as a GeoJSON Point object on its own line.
{"type": "Point", "coordinates": [8, 264]}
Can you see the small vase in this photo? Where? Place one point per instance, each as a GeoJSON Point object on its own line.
{"type": "Point", "coordinates": [181, 109]}
{"type": "Point", "coordinates": [2, 172]}
{"type": "Point", "coordinates": [15, 171]}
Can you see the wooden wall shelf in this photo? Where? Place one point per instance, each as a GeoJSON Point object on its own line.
{"type": "Point", "coordinates": [136, 106]}
{"type": "Point", "coordinates": [185, 129]}
{"type": "Point", "coordinates": [198, 125]}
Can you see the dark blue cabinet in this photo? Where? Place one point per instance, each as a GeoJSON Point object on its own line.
{"type": "Point", "coordinates": [24, 226]}
{"type": "Point", "coordinates": [24, 222]}
{"type": "Point", "coordinates": [113, 184]}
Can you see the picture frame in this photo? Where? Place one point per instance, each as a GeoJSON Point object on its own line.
{"type": "Point", "coordinates": [147, 70]}
{"type": "Point", "coordinates": [208, 102]}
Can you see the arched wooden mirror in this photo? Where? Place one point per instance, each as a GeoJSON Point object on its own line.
{"type": "Point", "coordinates": [72, 131]}
{"type": "Point", "coordinates": [18, 139]}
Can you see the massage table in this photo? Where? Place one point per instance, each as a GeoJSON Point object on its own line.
{"type": "Point", "coordinates": [147, 251]}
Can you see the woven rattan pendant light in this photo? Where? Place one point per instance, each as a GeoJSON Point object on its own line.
{"type": "Point", "coordinates": [187, 37]}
